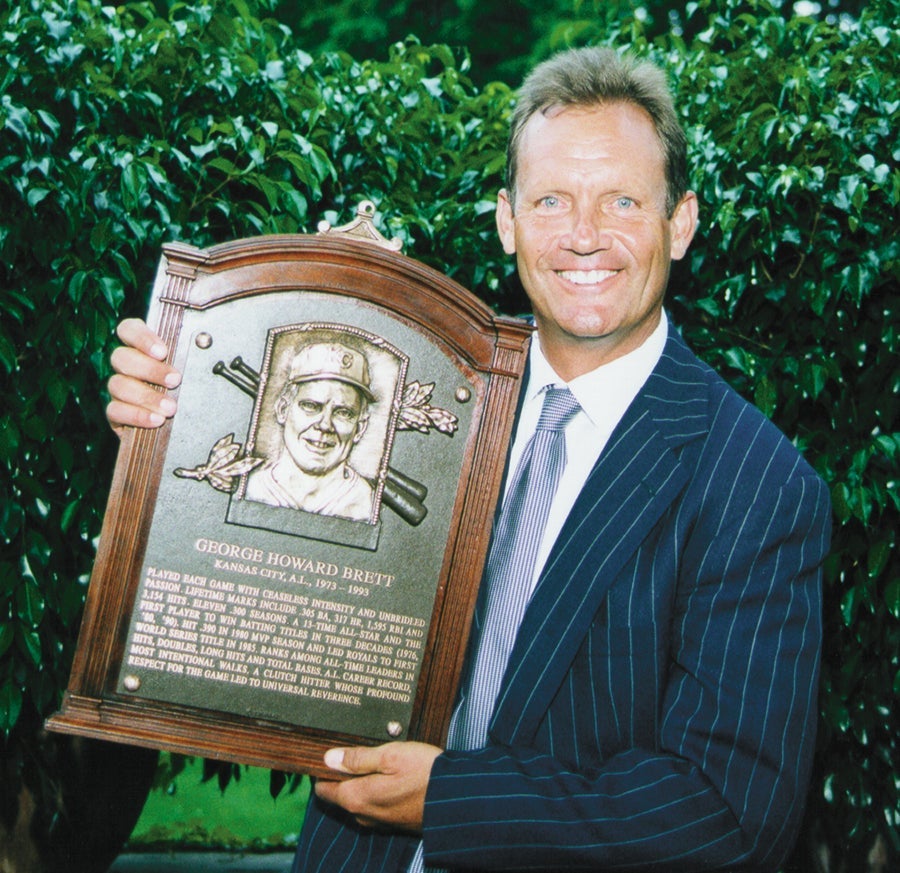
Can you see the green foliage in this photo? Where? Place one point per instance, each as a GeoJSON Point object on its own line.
{"type": "Point", "coordinates": [503, 39]}
{"type": "Point", "coordinates": [794, 297]}
{"type": "Point", "coordinates": [499, 38]}
{"type": "Point", "coordinates": [123, 127]}
{"type": "Point", "coordinates": [191, 812]}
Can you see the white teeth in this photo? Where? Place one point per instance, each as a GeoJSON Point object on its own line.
{"type": "Point", "coordinates": [586, 277]}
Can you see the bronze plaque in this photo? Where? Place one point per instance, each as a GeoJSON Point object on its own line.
{"type": "Point", "coordinates": [292, 562]}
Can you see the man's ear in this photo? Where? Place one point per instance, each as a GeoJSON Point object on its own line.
{"type": "Point", "coordinates": [506, 222]}
{"type": "Point", "coordinates": [361, 426]}
{"type": "Point", "coordinates": [684, 224]}
{"type": "Point", "coordinates": [281, 408]}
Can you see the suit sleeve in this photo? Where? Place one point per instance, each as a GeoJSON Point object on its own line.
{"type": "Point", "coordinates": [724, 784]}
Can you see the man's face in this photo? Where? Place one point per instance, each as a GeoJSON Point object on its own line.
{"type": "Point", "coordinates": [322, 424]}
{"type": "Point", "coordinates": [590, 231]}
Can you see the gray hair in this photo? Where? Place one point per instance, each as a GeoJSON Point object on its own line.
{"type": "Point", "coordinates": [592, 76]}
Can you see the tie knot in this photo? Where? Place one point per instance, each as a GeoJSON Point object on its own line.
{"type": "Point", "coordinates": [558, 409]}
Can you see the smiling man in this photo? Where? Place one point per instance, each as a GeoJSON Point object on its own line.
{"type": "Point", "coordinates": [641, 684]}
{"type": "Point", "coordinates": [590, 223]}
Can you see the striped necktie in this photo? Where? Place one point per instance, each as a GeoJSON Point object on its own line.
{"type": "Point", "coordinates": [511, 565]}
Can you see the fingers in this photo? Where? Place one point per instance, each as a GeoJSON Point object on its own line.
{"type": "Point", "coordinates": [134, 403]}
{"type": "Point", "coordinates": [135, 333]}
{"type": "Point", "coordinates": [143, 355]}
{"type": "Point", "coordinates": [389, 785]}
{"type": "Point", "coordinates": [139, 366]}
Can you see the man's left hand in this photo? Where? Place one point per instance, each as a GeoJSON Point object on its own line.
{"type": "Point", "coordinates": [388, 788]}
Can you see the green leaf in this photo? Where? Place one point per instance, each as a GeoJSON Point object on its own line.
{"type": "Point", "coordinates": [850, 605]}
{"type": "Point", "coordinates": [10, 706]}
{"type": "Point", "coordinates": [30, 603]}
{"type": "Point", "coordinates": [892, 597]}
{"type": "Point", "coordinates": [101, 236]}
{"type": "Point", "coordinates": [7, 634]}
{"type": "Point", "coordinates": [69, 513]}
{"type": "Point", "coordinates": [225, 166]}
{"type": "Point", "coordinates": [113, 292]}
{"type": "Point", "coordinates": [740, 360]}
{"type": "Point", "coordinates": [836, 713]}
{"type": "Point", "coordinates": [133, 186]}
{"type": "Point", "coordinates": [29, 642]}
{"type": "Point", "coordinates": [269, 188]}
{"type": "Point", "coordinates": [57, 391]}
{"type": "Point", "coordinates": [7, 353]}
{"type": "Point", "coordinates": [888, 444]}
{"type": "Point", "coordinates": [36, 195]}
{"type": "Point", "coordinates": [78, 283]}
{"type": "Point", "coordinates": [765, 396]}
{"type": "Point", "coordinates": [35, 428]}
{"type": "Point", "coordinates": [879, 553]}
{"type": "Point", "coordinates": [64, 454]}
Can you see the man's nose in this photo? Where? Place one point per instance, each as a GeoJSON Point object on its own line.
{"type": "Point", "coordinates": [588, 232]}
{"type": "Point", "coordinates": [326, 419]}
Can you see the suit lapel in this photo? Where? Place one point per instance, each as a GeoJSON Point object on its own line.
{"type": "Point", "coordinates": [635, 480]}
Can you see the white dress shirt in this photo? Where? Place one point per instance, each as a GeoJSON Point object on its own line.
{"type": "Point", "coordinates": [604, 395]}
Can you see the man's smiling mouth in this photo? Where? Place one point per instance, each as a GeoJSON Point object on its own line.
{"type": "Point", "coordinates": [320, 445]}
{"type": "Point", "coordinates": [585, 277]}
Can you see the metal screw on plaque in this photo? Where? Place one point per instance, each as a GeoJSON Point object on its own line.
{"type": "Point", "coordinates": [394, 728]}
{"type": "Point", "coordinates": [131, 683]}
{"type": "Point", "coordinates": [463, 395]}
{"type": "Point", "coordinates": [203, 340]}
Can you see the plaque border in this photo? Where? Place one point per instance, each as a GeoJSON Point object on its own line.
{"type": "Point", "coordinates": [352, 265]}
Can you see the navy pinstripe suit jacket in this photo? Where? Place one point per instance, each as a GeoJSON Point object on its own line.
{"type": "Point", "coordinates": [659, 708]}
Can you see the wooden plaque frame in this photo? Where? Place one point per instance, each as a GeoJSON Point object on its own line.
{"type": "Point", "coordinates": [338, 270]}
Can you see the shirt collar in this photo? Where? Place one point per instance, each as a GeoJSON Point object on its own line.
{"type": "Point", "coordinates": [608, 390]}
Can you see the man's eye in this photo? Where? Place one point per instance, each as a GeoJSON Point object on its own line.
{"type": "Point", "coordinates": [344, 414]}
{"type": "Point", "coordinates": [624, 202]}
{"type": "Point", "coordinates": [549, 202]}
{"type": "Point", "coordinates": [309, 407]}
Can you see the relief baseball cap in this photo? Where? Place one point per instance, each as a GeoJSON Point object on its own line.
{"type": "Point", "coordinates": [332, 361]}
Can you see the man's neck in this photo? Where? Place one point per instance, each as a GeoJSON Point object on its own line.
{"type": "Point", "coordinates": [573, 356]}
{"type": "Point", "coordinates": [301, 485]}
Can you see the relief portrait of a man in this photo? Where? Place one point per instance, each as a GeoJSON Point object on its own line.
{"type": "Point", "coordinates": [323, 412]}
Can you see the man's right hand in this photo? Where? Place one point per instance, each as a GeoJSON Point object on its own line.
{"type": "Point", "coordinates": [139, 366]}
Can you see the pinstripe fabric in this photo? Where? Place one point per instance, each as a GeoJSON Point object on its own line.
{"type": "Point", "coordinates": [511, 565]}
{"type": "Point", "coordinates": [659, 705]}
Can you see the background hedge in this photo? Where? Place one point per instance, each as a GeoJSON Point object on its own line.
{"type": "Point", "coordinates": [121, 128]}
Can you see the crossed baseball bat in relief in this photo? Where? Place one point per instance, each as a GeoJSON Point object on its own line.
{"type": "Point", "coordinates": [402, 494]}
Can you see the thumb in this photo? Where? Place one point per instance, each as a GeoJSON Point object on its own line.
{"type": "Point", "coordinates": [334, 758]}
{"type": "Point", "coordinates": [356, 761]}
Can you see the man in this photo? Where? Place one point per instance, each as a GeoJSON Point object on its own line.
{"type": "Point", "coordinates": [323, 413]}
{"type": "Point", "coordinates": [658, 703]}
